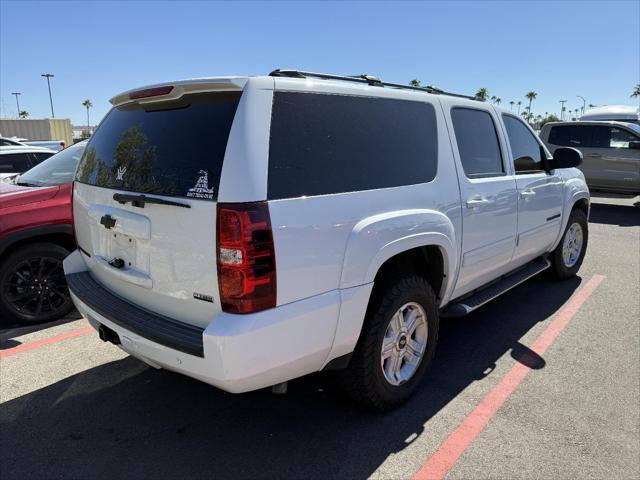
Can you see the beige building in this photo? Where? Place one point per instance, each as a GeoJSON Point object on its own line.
{"type": "Point", "coordinates": [46, 129]}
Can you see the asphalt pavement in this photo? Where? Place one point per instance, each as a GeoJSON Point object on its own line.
{"type": "Point", "coordinates": [75, 407]}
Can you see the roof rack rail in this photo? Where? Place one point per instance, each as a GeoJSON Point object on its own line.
{"type": "Point", "coordinates": [368, 79]}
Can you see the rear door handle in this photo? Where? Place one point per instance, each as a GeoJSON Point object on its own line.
{"type": "Point", "coordinates": [477, 202]}
{"type": "Point", "coordinates": [527, 193]}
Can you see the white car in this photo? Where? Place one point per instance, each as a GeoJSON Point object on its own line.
{"type": "Point", "coordinates": [10, 142]}
{"type": "Point", "coordinates": [55, 145]}
{"type": "Point", "coordinates": [17, 159]}
{"type": "Point", "coordinates": [248, 231]}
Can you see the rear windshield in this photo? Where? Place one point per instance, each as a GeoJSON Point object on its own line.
{"type": "Point", "coordinates": [173, 149]}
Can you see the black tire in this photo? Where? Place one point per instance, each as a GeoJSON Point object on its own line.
{"type": "Point", "coordinates": [364, 380]}
{"type": "Point", "coordinates": [558, 266]}
{"type": "Point", "coordinates": [32, 284]}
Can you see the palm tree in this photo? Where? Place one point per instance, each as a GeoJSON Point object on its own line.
{"type": "Point", "coordinates": [482, 94]}
{"type": "Point", "coordinates": [591, 105]}
{"type": "Point", "coordinates": [23, 114]}
{"type": "Point", "coordinates": [87, 104]}
{"type": "Point", "coordinates": [415, 82]}
{"type": "Point", "coordinates": [496, 100]}
{"type": "Point", "coordinates": [511, 104]}
{"type": "Point", "coordinates": [636, 91]}
{"type": "Point", "coordinates": [576, 112]}
{"type": "Point", "coordinates": [531, 96]}
{"type": "Point", "coordinates": [519, 103]}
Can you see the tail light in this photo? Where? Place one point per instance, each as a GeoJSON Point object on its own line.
{"type": "Point", "coordinates": [246, 257]}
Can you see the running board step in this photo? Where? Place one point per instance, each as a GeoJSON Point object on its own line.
{"type": "Point", "coordinates": [468, 304]}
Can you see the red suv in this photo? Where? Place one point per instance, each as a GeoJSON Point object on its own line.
{"type": "Point", "coordinates": [36, 234]}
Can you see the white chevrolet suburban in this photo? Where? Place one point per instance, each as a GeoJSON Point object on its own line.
{"type": "Point", "coordinates": [246, 231]}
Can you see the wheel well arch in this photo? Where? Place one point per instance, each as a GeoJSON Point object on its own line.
{"type": "Point", "coordinates": [58, 237]}
{"type": "Point", "coordinates": [582, 204]}
{"type": "Point", "coordinates": [427, 261]}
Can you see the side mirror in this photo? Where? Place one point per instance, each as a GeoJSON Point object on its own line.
{"type": "Point", "coordinates": [565, 157]}
{"type": "Point", "coordinates": [634, 145]}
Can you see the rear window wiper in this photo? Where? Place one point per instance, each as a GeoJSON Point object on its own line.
{"type": "Point", "coordinates": [140, 200]}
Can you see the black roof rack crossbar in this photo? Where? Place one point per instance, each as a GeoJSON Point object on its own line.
{"type": "Point", "coordinates": [367, 79]}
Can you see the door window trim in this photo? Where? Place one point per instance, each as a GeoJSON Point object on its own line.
{"type": "Point", "coordinates": [479, 176]}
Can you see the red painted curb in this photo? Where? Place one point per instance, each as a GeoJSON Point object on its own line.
{"type": "Point", "coordinates": [45, 341]}
{"type": "Point", "coordinates": [447, 455]}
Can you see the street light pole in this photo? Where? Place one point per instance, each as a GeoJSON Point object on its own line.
{"type": "Point", "coordinates": [584, 102]}
{"type": "Point", "coordinates": [17, 103]}
{"type": "Point", "coordinates": [48, 76]}
{"type": "Point", "coordinates": [562, 102]}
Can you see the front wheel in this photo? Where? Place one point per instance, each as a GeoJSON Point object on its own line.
{"type": "Point", "coordinates": [396, 346]}
{"type": "Point", "coordinates": [567, 258]}
{"type": "Point", "coordinates": [32, 284]}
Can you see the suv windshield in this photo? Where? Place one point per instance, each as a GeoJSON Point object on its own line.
{"type": "Point", "coordinates": [56, 170]}
{"type": "Point", "coordinates": [173, 148]}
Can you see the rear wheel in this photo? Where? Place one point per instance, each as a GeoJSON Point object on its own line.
{"type": "Point", "coordinates": [396, 345]}
{"type": "Point", "coordinates": [32, 284]}
{"type": "Point", "coordinates": [567, 258]}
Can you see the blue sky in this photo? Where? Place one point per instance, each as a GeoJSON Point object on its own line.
{"type": "Point", "coordinates": [97, 49]}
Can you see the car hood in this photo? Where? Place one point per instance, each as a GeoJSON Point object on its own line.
{"type": "Point", "coordinates": [16, 195]}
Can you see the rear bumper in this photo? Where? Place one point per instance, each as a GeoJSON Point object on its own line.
{"type": "Point", "coordinates": [239, 352]}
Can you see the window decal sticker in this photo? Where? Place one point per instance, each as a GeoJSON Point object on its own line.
{"type": "Point", "coordinates": [201, 189]}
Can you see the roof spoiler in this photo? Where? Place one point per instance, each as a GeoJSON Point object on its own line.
{"type": "Point", "coordinates": [162, 92]}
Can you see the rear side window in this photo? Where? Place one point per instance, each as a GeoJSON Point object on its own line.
{"type": "Point", "coordinates": [172, 148]}
{"type": "Point", "coordinates": [527, 156]}
{"type": "Point", "coordinates": [40, 157]}
{"type": "Point", "coordinates": [15, 162]}
{"type": "Point", "coordinates": [322, 144]}
{"type": "Point", "coordinates": [477, 141]}
{"type": "Point", "coordinates": [571, 135]}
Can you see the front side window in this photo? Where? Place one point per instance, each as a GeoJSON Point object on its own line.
{"type": "Point", "coordinates": [620, 138]}
{"type": "Point", "coordinates": [527, 156]}
{"type": "Point", "coordinates": [322, 144]}
{"type": "Point", "coordinates": [15, 162]}
{"type": "Point", "coordinates": [477, 141]}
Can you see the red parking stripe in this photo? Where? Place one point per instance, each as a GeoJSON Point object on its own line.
{"type": "Point", "coordinates": [441, 462]}
{"type": "Point", "coordinates": [45, 341]}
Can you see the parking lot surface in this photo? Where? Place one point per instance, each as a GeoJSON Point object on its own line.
{"type": "Point", "coordinates": [493, 407]}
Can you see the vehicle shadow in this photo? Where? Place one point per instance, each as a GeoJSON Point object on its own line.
{"type": "Point", "coordinates": [613, 214]}
{"type": "Point", "coordinates": [10, 330]}
{"type": "Point", "coordinates": [123, 418]}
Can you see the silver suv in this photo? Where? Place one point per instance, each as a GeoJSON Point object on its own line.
{"type": "Point", "coordinates": [611, 152]}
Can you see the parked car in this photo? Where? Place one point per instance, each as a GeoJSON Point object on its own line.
{"type": "Point", "coordinates": [17, 159]}
{"type": "Point", "coordinates": [291, 224]}
{"type": "Point", "coordinates": [35, 235]}
{"type": "Point", "coordinates": [9, 142]}
{"type": "Point", "coordinates": [55, 145]}
{"type": "Point", "coordinates": [611, 152]}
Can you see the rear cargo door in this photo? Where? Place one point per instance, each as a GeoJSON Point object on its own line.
{"type": "Point", "coordinates": [145, 202]}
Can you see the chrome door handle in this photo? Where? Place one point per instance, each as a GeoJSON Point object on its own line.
{"type": "Point", "coordinates": [527, 193]}
{"type": "Point", "coordinates": [477, 202]}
